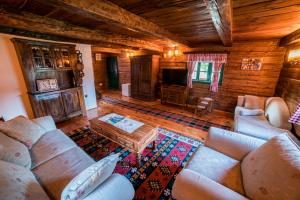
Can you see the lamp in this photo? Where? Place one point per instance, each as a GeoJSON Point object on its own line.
{"type": "Point", "coordinates": [295, 118]}
{"type": "Point", "coordinates": [176, 51]}
{"type": "Point", "coordinates": [294, 57]}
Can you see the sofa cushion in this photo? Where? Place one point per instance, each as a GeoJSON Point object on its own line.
{"type": "Point", "coordinates": [17, 182]}
{"type": "Point", "coordinates": [56, 173]}
{"type": "Point", "coordinates": [273, 170]}
{"type": "Point", "coordinates": [50, 145]}
{"type": "Point", "coordinates": [46, 122]}
{"type": "Point", "coordinates": [278, 113]}
{"type": "Point", "coordinates": [90, 178]}
{"type": "Point", "coordinates": [254, 102]}
{"type": "Point", "coordinates": [23, 130]}
{"type": "Point", "coordinates": [218, 167]}
{"type": "Point", "coordinates": [251, 112]}
{"type": "Point", "coordinates": [255, 127]}
{"type": "Point", "coordinates": [14, 151]}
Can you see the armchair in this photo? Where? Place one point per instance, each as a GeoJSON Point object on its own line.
{"type": "Point", "coordinates": [236, 166]}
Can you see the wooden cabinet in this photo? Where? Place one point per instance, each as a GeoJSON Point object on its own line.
{"type": "Point", "coordinates": [42, 61]}
{"type": "Point", "coordinates": [174, 94]}
{"type": "Point", "coordinates": [144, 72]}
{"type": "Point", "coordinates": [61, 105]}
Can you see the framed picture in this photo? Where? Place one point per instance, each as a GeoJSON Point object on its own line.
{"type": "Point", "coordinates": [98, 56]}
{"type": "Point", "coordinates": [44, 85]}
{"type": "Point", "coordinates": [251, 63]}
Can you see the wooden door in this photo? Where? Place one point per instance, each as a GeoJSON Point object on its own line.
{"type": "Point", "coordinates": [145, 79]}
{"type": "Point", "coordinates": [135, 78]}
{"type": "Point", "coordinates": [71, 102]}
{"type": "Point", "coordinates": [112, 72]}
{"type": "Point", "coordinates": [52, 105]}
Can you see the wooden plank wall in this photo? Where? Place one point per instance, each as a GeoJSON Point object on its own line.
{"type": "Point", "coordinates": [124, 68]}
{"type": "Point", "coordinates": [288, 85]}
{"type": "Point", "coordinates": [100, 72]}
{"type": "Point", "coordinates": [240, 82]}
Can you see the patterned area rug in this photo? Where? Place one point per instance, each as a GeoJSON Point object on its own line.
{"type": "Point", "coordinates": [175, 117]}
{"type": "Point", "coordinates": [155, 178]}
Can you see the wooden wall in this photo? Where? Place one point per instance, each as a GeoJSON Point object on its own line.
{"type": "Point", "coordinates": [124, 68]}
{"type": "Point", "coordinates": [100, 75]}
{"type": "Point", "coordinates": [240, 82]}
{"type": "Point", "coordinates": [288, 85]}
{"type": "Point", "coordinates": [100, 70]}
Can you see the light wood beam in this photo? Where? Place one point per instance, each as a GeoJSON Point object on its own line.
{"type": "Point", "coordinates": [35, 23]}
{"type": "Point", "coordinates": [291, 38]}
{"type": "Point", "coordinates": [221, 14]}
{"type": "Point", "coordinates": [113, 14]}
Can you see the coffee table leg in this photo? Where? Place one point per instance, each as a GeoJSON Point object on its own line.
{"type": "Point", "coordinates": [138, 159]}
{"type": "Point", "coordinates": [154, 145]}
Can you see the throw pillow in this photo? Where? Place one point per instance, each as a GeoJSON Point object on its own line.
{"type": "Point", "coordinates": [254, 102]}
{"type": "Point", "coordinates": [14, 152]}
{"type": "Point", "coordinates": [254, 112]}
{"type": "Point", "coordinates": [90, 178]}
{"type": "Point", "coordinates": [23, 130]}
{"type": "Point", "coordinates": [272, 171]}
{"type": "Point", "coordinates": [17, 182]}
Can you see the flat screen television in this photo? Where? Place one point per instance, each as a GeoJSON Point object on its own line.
{"type": "Point", "coordinates": [174, 77]}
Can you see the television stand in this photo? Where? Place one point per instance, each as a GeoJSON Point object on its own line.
{"type": "Point", "coordinates": [174, 94]}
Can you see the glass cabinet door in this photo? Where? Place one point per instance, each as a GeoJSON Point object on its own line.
{"type": "Point", "coordinates": [37, 56]}
{"type": "Point", "coordinates": [48, 58]}
{"type": "Point", "coordinates": [66, 58]}
{"type": "Point", "coordinates": [58, 58]}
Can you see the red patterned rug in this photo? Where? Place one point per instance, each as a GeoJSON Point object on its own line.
{"type": "Point", "coordinates": [155, 178]}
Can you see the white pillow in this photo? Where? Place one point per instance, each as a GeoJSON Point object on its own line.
{"type": "Point", "coordinates": [272, 171]}
{"type": "Point", "coordinates": [23, 130]}
{"type": "Point", "coordinates": [249, 112]}
{"type": "Point", "coordinates": [89, 179]}
{"type": "Point", "coordinates": [14, 152]}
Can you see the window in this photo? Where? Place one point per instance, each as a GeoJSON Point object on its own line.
{"type": "Point", "coordinates": [203, 73]}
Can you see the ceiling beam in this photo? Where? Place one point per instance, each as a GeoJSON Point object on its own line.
{"type": "Point", "coordinates": [290, 39]}
{"type": "Point", "coordinates": [113, 14]}
{"type": "Point", "coordinates": [106, 50]}
{"type": "Point", "coordinates": [35, 23]}
{"type": "Point", "coordinates": [221, 14]}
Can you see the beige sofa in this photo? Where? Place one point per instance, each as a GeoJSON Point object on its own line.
{"type": "Point", "coordinates": [272, 122]}
{"type": "Point", "coordinates": [235, 166]}
{"type": "Point", "coordinates": [56, 160]}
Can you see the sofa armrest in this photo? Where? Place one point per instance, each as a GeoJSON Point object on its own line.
{"type": "Point", "coordinates": [190, 185]}
{"type": "Point", "coordinates": [232, 144]}
{"type": "Point", "coordinates": [46, 123]}
{"type": "Point", "coordinates": [115, 187]}
{"type": "Point", "coordinates": [241, 101]}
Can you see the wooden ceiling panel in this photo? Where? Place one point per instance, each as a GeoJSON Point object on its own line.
{"type": "Point", "coordinates": [261, 19]}
{"type": "Point", "coordinates": [188, 22]}
{"type": "Point", "coordinates": [189, 19]}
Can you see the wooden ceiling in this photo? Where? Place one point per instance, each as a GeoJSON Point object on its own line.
{"type": "Point", "coordinates": [152, 25]}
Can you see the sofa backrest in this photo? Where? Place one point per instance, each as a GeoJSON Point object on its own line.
{"type": "Point", "coordinates": [272, 171]}
{"type": "Point", "coordinates": [278, 113]}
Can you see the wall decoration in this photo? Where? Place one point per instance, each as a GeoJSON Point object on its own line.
{"type": "Point", "coordinates": [98, 56]}
{"type": "Point", "coordinates": [251, 63]}
{"type": "Point", "coordinates": [78, 69]}
{"type": "Point", "coordinates": [45, 85]}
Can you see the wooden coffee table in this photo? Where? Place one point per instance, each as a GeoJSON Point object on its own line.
{"type": "Point", "coordinates": [136, 141]}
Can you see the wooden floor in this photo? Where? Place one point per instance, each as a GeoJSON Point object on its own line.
{"type": "Point", "coordinates": [218, 117]}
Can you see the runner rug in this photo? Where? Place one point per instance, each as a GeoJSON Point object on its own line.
{"type": "Point", "coordinates": [175, 117]}
{"type": "Point", "coordinates": [155, 177]}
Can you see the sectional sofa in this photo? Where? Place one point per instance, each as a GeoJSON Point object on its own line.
{"type": "Point", "coordinates": [43, 169]}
